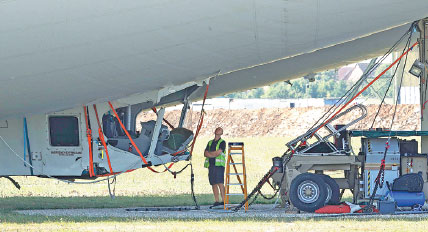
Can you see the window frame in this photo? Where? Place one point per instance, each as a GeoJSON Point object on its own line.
{"type": "Point", "coordinates": [77, 127]}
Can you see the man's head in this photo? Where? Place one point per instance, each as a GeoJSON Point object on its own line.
{"type": "Point", "coordinates": [218, 132]}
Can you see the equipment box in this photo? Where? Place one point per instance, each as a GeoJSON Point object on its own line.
{"type": "Point", "coordinates": [408, 146]}
{"type": "Point", "coordinates": [370, 177]}
{"type": "Point", "coordinates": [414, 163]}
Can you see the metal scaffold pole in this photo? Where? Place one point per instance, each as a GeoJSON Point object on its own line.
{"type": "Point", "coordinates": [423, 50]}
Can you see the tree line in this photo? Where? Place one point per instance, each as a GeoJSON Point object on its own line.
{"type": "Point", "coordinates": [326, 85]}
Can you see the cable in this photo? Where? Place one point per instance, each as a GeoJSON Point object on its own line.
{"type": "Point", "coordinates": [389, 85]}
{"type": "Point", "coordinates": [112, 194]}
{"type": "Point", "coordinates": [381, 175]}
{"type": "Point", "coordinates": [349, 96]}
{"type": "Point", "coordinates": [359, 82]}
{"type": "Point", "coordinates": [192, 179]}
{"type": "Point", "coordinates": [67, 181]}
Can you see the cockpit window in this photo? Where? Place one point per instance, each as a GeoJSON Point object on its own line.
{"type": "Point", "coordinates": [64, 131]}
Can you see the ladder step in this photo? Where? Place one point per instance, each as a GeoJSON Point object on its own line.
{"type": "Point", "coordinates": [236, 144]}
{"type": "Point", "coordinates": [235, 153]}
{"type": "Point", "coordinates": [235, 174]}
{"type": "Point", "coordinates": [234, 194]}
{"type": "Point", "coordinates": [234, 163]}
{"type": "Point", "coordinates": [235, 184]}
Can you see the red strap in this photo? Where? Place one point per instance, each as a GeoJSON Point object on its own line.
{"type": "Point", "coordinates": [382, 164]}
{"type": "Point", "coordinates": [201, 120]}
{"type": "Point", "coordinates": [365, 88]}
{"type": "Point", "coordinates": [132, 141]}
{"type": "Point", "coordinates": [138, 150]}
{"type": "Point", "coordinates": [166, 121]}
{"type": "Point", "coordinates": [101, 137]}
{"type": "Point", "coordinates": [89, 136]}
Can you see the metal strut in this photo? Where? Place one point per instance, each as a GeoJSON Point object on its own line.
{"type": "Point", "coordinates": [295, 144]}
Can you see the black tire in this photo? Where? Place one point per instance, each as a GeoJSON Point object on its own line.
{"type": "Point", "coordinates": [333, 191]}
{"type": "Point", "coordinates": [316, 193]}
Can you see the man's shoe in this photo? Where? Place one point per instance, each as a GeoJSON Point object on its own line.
{"type": "Point", "coordinates": [216, 204]}
{"type": "Point", "coordinates": [213, 205]}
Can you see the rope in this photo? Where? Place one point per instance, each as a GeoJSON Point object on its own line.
{"type": "Point", "coordinates": [386, 93]}
{"type": "Point", "coordinates": [256, 190]}
{"type": "Point", "coordinates": [198, 128]}
{"type": "Point", "coordinates": [381, 175]}
{"type": "Point", "coordinates": [61, 180]}
{"type": "Point", "coordinates": [423, 106]}
{"type": "Point", "coordinates": [110, 192]}
{"type": "Point", "coordinates": [201, 119]}
{"type": "Point", "coordinates": [364, 89]}
{"type": "Point", "coordinates": [353, 88]}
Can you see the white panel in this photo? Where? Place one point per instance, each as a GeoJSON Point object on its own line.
{"type": "Point", "coordinates": [57, 54]}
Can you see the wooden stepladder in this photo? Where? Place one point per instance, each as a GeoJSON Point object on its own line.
{"type": "Point", "coordinates": [235, 149]}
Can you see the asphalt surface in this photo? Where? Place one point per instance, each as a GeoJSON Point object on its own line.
{"type": "Point", "coordinates": [256, 211]}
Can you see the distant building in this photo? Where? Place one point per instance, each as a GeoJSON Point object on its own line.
{"type": "Point", "coordinates": [352, 72]}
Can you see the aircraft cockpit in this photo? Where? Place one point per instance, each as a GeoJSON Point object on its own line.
{"type": "Point", "coordinates": [154, 139]}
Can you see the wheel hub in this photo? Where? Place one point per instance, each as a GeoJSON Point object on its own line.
{"type": "Point", "coordinates": [308, 191]}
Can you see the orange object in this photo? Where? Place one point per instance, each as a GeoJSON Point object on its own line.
{"type": "Point", "coordinates": [235, 149]}
{"type": "Point", "coordinates": [101, 137]}
{"type": "Point", "coordinates": [365, 87]}
{"type": "Point", "coordinates": [363, 206]}
{"type": "Point", "coordinates": [343, 208]}
{"type": "Point", "coordinates": [138, 150]}
{"type": "Point", "coordinates": [329, 209]}
{"type": "Point", "coordinates": [201, 120]}
{"type": "Point", "coordinates": [89, 136]}
{"type": "Point", "coordinates": [132, 141]}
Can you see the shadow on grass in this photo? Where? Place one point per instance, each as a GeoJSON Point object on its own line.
{"type": "Point", "coordinates": [10, 204]}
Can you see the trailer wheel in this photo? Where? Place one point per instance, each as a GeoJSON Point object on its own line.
{"type": "Point", "coordinates": [333, 191]}
{"type": "Point", "coordinates": [308, 192]}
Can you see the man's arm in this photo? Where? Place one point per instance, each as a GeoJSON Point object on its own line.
{"type": "Point", "coordinates": [206, 151]}
{"type": "Point", "coordinates": [212, 154]}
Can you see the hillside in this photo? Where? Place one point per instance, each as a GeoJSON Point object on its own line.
{"type": "Point", "coordinates": [287, 121]}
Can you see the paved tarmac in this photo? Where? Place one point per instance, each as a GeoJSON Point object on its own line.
{"type": "Point", "coordinates": [256, 211]}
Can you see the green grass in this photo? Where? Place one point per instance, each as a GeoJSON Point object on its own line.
{"type": "Point", "coordinates": [23, 203]}
{"type": "Point", "coordinates": [143, 188]}
{"type": "Point", "coordinates": [142, 182]}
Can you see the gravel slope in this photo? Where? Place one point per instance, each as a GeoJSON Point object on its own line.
{"type": "Point", "coordinates": [288, 121]}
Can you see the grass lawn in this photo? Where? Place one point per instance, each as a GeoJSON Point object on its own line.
{"type": "Point", "coordinates": [143, 188]}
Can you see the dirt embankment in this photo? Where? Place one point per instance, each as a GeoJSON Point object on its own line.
{"type": "Point", "coordinates": [288, 121]}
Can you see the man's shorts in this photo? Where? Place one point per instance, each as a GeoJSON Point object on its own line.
{"type": "Point", "coordinates": [216, 175]}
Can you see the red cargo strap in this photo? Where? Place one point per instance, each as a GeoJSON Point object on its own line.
{"type": "Point", "coordinates": [132, 141]}
{"type": "Point", "coordinates": [382, 164]}
{"type": "Point", "coordinates": [101, 137]}
{"type": "Point", "coordinates": [166, 121]}
{"type": "Point", "coordinates": [365, 88]}
{"type": "Point", "coordinates": [89, 136]}
{"type": "Point", "coordinates": [201, 120]}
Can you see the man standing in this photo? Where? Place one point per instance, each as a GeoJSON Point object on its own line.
{"type": "Point", "coordinates": [215, 161]}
